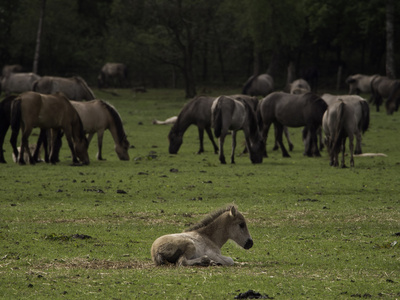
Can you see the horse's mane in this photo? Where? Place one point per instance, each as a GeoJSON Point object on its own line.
{"type": "Point", "coordinates": [209, 218]}
{"type": "Point", "coordinates": [117, 120]}
{"type": "Point", "coordinates": [248, 84]}
{"type": "Point", "coordinates": [85, 86]}
{"type": "Point", "coordinates": [188, 106]}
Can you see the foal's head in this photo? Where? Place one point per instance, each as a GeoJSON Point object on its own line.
{"type": "Point", "coordinates": [237, 229]}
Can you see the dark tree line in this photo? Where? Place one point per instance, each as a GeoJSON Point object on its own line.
{"type": "Point", "coordinates": [191, 44]}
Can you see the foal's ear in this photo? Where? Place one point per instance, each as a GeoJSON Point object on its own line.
{"type": "Point", "coordinates": [233, 211]}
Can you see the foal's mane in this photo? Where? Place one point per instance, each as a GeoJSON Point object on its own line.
{"type": "Point", "coordinates": [209, 219]}
{"type": "Point", "coordinates": [117, 120]}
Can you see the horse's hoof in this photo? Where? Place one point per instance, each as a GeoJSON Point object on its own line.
{"type": "Point", "coordinates": [275, 148]}
{"type": "Point", "coordinates": [285, 155]}
{"type": "Point", "coordinates": [291, 147]}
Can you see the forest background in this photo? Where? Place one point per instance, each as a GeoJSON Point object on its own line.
{"type": "Point", "coordinates": [199, 44]}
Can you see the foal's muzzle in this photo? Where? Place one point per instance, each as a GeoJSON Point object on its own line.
{"type": "Point", "coordinates": [248, 244]}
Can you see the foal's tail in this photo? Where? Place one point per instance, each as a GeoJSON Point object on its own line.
{"type": "Point", "coordinates": [339, 130]}
{"type": "Point", "coordinates": [15, 122]}
{"type": "Point", "coordinates": [217, 119]}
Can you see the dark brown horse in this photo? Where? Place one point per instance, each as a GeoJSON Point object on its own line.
{"type": "Point", "coordinates": [282, 109]}
{"type": "Point", "coordinates": [386, 88]}
{"type": "Point", "coordinates": [5, 121]}
{"type": "Point", "coordinates": [232, 115]}
{"type": "Point", "coordinates": [74, 88]}
{"type": "Point", "coordinates": [54, 112]}
{"type": "Point", "coordinates": [196, 112]}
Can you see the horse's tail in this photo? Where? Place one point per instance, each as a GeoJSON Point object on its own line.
{"type": "Point", "coordinates": [339, 131]}
{"type": "Point", "coordinates": [217, 119]}
{"type": "Point", "coordinates": [15, 122]}
{"type": "Point", "coordinates": [364, 116]}
{"type": "Point", "coordinates": [247, 85]}
{"type": "Point", "coordinates": [395, 95]}
{"type": "Point", "coordinates": [252, 119]}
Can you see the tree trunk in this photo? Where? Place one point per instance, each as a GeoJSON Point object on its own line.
{"type": "Point", "coordinates": [38, 38]}
{"type": "Point", "coordinates": [390, 68]}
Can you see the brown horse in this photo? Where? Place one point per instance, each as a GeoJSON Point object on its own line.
{"type": "Point", "coordinates": [290, 110]}
{"type": "Point", "coordinates": [98, 116]}
{"type": "Point", "coordinates": [386, 88]}
{"type": "Point", "coordinates": [54, 112]}
{"type": "Point", "coordinates": [74, 88]}
{"type": "Point", "coordinates": [202, 243]}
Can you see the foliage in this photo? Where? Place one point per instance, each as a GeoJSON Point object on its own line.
{"type": "Point", "coordinates": [319, 232]}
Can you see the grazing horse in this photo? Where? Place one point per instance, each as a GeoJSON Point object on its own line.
{"type": "Point", "coordinates": [74, 88]}
{"type": "Point", "coordinates": [112, 72]}
{"type": "Point", "coordinates": [55, 112]}
{"type": "Point", "coordinates": [228, 114]}
{"type": "Point", "coordinates": [201, 244]}
{"type": "Point", "coordinates": [338, 123]}
{"type": "Point", "coordinates": [18, 82]}
{"type": "Point", "coordinates": [361, 110]}
{"type": "Point", "coordinates": [359, 83]}
{"type": "Point", "coordinates": [5, 121]}
{"type": "Point", "coordinates": [97, 116]}
{"type": "Point", "coordinates": [198, 112]}
{"type": "Point", "coordinates": [289, 110]}
{"type": "Point", "coordinates": [260, 85]}
{"type": "Point", "coordinates": [384, 87]}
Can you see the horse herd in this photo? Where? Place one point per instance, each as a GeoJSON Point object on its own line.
{"type": "Point", "coordinates": [48, 105]}
{"type": "Point", "coordinates": [339, 117]}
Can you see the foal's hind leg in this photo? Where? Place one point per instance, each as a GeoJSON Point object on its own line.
{"type": "Point", "coordinates": [279, 128]}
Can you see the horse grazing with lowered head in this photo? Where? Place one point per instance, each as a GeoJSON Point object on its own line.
{"type": "Point", "coordinates": [361, 113]}
{"type": "Point", "coordinates": [385, 88]}
{"type": "Point", "coordinates": [282, 109]}
{"type": "Point", "coordinates": [97, 116]}
{"type": "Point", "coordinates": [229, 114]}
{"type": "Point", "coordinates": [201, 244]}
{"type": "Point", "coordinates": [54, 112]}
{"type": "Point", "coordinates": [299, 86]}
{"type": "Point", "coordinates": [112, 74]}
{"type": "Point", "coordinates": [18, 82]}
{"type": "Point", "coordinates": [5, 121]}
{"type": "Point", "coordinates": [74, 88]}
{"type": "Point", "coordinates": [338, 123]}
{"type": "Point", "coordinates": [197, 112]}
{"type": "Point", "coordinates": [259, 85]}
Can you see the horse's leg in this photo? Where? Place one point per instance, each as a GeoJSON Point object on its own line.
{"type": "Point", "coordinates": [343, 164]}
{"type": "Point", "coordinates": [42, 139]}
{"type": "Point", "coordinates": [276, 146]}
{"type": "Point", "coordinates": [221, 140]}
{"type": "Point", "coordinates": [233, 146]}
{"type": "Point", "coordinates": [211, 137]}
{"type": "Point", "coordinates": [286, 132]}
{"type": "Point", "coordinates": [279, 128]}
{"type": "Point", "coordinates": [99, 145]}
{"type": "Point", "coordinates": [201, 138]}
{"type": "Point", "coordinates": [351, 147]}
{"type": "Point", "coordinates": [358, 142]}
{"type": "Point", "coordinates": [321, 143]}
{"type": "Point", "coordinates": [25, 146]}
{"type": "Point", "coordinates": [265, 136]}
{"type": "Point", "coordinates": [3, 131]}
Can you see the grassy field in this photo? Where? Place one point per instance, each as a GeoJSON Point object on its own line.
{"type": "Point", "coordinates": [85, 232]}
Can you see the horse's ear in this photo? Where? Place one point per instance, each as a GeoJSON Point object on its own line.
{"type": "Point", "coordinates": [233, 211]}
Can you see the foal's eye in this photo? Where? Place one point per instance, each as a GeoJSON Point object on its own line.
{"type": "Point", "coordinates": [242, 225]}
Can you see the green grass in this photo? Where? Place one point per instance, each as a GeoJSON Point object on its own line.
{"type": "Point", "coordinates": [319, 232]}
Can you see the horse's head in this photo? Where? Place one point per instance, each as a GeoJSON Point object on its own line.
{"type": "Point", "coordinates": [257, 149]}
{"type": "Point", "coordinates": [81, 150]}
{"type": "Point", "coordinates": [237, 229]}
{"type": "Point", "coordinates": [122, 149]}
{"type": "Point", "coordinates": [175, 141]}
